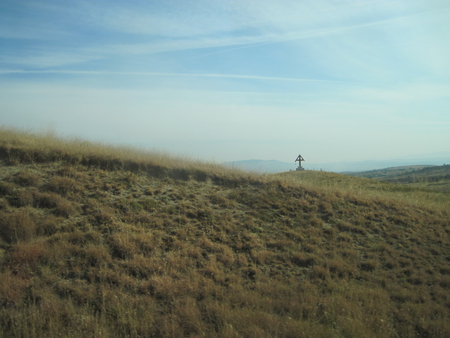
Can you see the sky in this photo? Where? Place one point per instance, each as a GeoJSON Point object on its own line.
{"type": "Point", "coordinates": [229, 80]}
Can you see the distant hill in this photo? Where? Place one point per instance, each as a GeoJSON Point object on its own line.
{"type": "Point", "coordinates": [419, 176]}
{"type": "Point", "coordinates": [273, 166]}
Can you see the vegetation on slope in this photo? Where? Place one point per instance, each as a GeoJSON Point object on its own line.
{"type": "Point", "coordinates": [99, 242]}
{"type": "Point", "coordinates": [435, 178]}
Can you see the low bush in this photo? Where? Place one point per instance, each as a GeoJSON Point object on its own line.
{"type": "Point", "coordinates": [27, 178]}
{"type": "Point", "coordinates": [17, 226]}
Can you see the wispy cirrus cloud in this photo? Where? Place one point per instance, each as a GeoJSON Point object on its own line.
{"type": "Point", "coordinates": [155, 74]}
{"type": "Point", "coordinates": [47, 59]}
{"type": "Point", "coordinates": [174, 26]}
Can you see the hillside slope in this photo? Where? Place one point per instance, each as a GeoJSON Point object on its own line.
{"type": "Point", "coordinates": [436, 178]}
{"type": "Point", "coordinates": [100, 242]}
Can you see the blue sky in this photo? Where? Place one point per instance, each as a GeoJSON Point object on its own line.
{"type": "Point", "coordinates": [232, 80]}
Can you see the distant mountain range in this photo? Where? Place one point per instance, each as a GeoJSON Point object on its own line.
{"type": "Point", "coordinates": [273, 166]}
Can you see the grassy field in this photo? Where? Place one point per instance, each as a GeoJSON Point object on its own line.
{"type": "Point", "coordinates": [100, 241]}
{"type": "Point", "coordinates": [434, 178]}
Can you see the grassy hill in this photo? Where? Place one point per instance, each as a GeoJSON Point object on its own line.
{"type": "Point", "coordinates": [99, 241]}
{"type": "Point", "coordinates": [436, 178]}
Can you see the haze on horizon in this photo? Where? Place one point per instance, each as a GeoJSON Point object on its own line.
{"type": "Point", "coordinates": [334, 80]}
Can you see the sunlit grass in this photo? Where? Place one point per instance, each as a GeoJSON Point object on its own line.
{"type": "Point", "coordinates": [368, 188]}
{"type": "Point", "coordinates": [35, 147]}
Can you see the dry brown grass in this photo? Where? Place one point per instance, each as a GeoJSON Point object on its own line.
{"type": "Point", "coordinates": [16, 226]}
{"type": "Point", "coordinates": [27, 147]}
{"type": "Point", "coordinates": [95, 242]}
